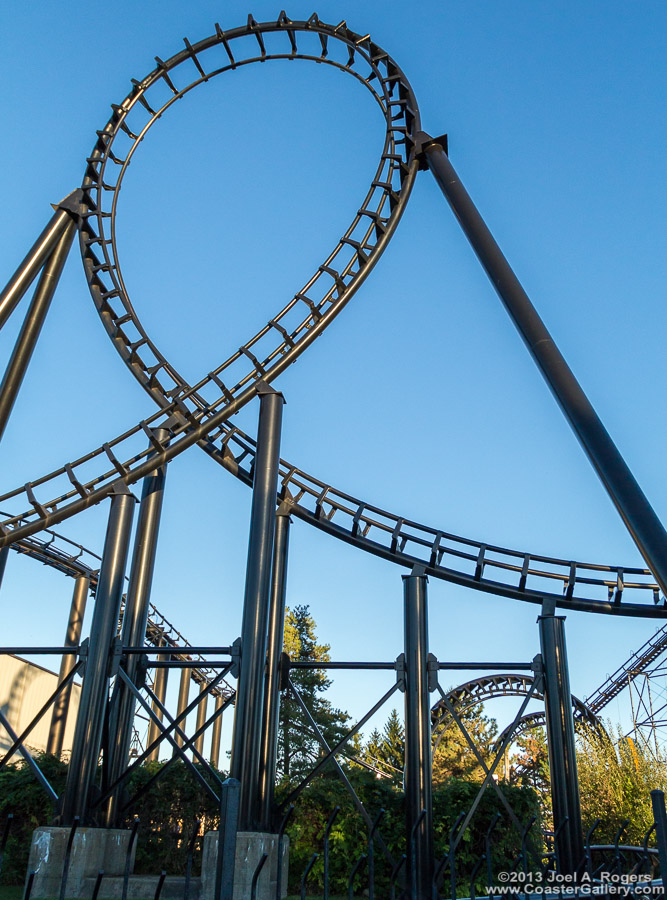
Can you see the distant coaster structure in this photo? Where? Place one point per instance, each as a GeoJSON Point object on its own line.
{"type": "Point", "coordinates": [201, 414]}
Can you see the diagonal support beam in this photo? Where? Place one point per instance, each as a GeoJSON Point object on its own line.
{"type": "Point", "coordinates": [341, 743]}
{"type": "Point", "coordinates": [359, 806]}
{"type": "Point", "coordinates": [632, 505]}
{"type": "Point", "coordinates": [488, 779]}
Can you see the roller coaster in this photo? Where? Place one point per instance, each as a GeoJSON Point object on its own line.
{"type": "Point", "coordinates": [200, 414]}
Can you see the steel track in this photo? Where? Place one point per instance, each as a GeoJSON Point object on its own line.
{"type": "Point", "coordinates": [199, 413]}
{"type": "Point", "coordinates": [506, 684]}
{"type": "Point", "coordinates": [54, 551]}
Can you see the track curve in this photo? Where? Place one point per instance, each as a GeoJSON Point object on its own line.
{"type": "Point", "coordinates": [199, 413]}
{"type": "Point", "coordinates": [73, 559]}
{"type": "Point", "coordinates": [506, 684]}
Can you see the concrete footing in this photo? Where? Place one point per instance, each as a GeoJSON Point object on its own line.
{"type": "Point", "coordinates": [105, 850]}
{"type": "Point", "coordinates": [250, 845]}
{"type": "Point", "coordinates": [93, 850]}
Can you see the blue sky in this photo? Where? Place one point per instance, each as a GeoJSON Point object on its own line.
{"type": "Point", "coordinates": [421, 397]}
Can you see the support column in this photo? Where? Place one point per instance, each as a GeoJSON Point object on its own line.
{"type": "Point", "coordinates": [27, 272]}
{"type": "Point", "coordinates": [135, 619]}
{"type": "Point", "coordinates": [418, 769]}
{"type": "Point", "coordinates": [4, 555]}
{"type": "Point", "coordinates": [183, 700]}
{"type": "Point", "coordinates": [246, 744]}
{"type": "Point", "coordinates": [636, 512]}
{"type": "Point", "coordinates": [216, 734]}
{"type": "Point", "coordinates": [32, 325]}
{"type": "Point", "coordinates": [561, 744]}
{"type": "Point", "coordinates": [160, 691]}
{"type": "Point", "coordinates": [94, 690]}
{"type": "Point", "coordinates": [201, 718]}
{"type": "Point", "coordinates": [72, 639]}
{"type": "Point", "coordinates": [278, 595]}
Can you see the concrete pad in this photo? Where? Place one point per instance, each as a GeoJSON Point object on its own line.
{"type": "Point", "coordinates": [93, 849]}
{"type": "Point", "coordinates": [250, 845]}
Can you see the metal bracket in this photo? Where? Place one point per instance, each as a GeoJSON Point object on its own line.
{"type": "Point", "coordinates": [423, 142]}
{"type": "Point", "coordinates": [537, 666]}
{"type": "Point", "coordinates": [115, 656]}
{"type": "Point", "coordinates": [432, 668]}
{"type": "Point", "coordinates": [283, 671]}
{"type": "Point", "coordinates": [141, 672]}
{"type": "Point", "coordinates": [236, 658]}
{"type": "Point", "coordinates": [400, 667]}
{"type": "Point", "coordinates": [72, 203]}
{"type": "Point", "coordinates": [83, 653]}
{"type": "Point", "coordinates": [548, 607]}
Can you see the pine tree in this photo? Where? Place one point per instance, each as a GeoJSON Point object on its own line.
{"type": "Point", "coordinates": [298, 747]}
{"type": "Point", "coordinates": [393, 745]}
{"type": "Point", "coordinates": [386, 752]}
{"type": "Point", "coordinates": [452, 757]}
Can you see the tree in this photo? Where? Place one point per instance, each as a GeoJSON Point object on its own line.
{"type": "Point", "coordinates": [615, 783]}
{"type": "Point", "coordinates": [386, 751]}
{"type": "Point", "coordinates": [298, 747]}
{"type": "Point", "coordinates": [452, 756]}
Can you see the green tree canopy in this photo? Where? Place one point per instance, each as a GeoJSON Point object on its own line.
{"type": "Point", "coordinates": [298, 747]}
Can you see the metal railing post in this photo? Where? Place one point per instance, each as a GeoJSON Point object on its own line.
{"type": "Point", "coordinates": [561, 744]}
{"type": "Point", "coordinates": [94, 690]}
{"type": "Point", "coordinates": [247, 739]}
{"type": "Point", "coordinates": [660, 819]}
{"type": "Point", "coordinates": [72, 639]}
{"type": "Point", "coordinates": [418, 770]}
{"type": "Point", "coordinates": [269, 750]}
{"type": "Point", "coordinates": [229, 826]}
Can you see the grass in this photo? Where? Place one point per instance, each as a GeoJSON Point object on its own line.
{"type": "Point", "coordinates": [11, 891]}
{"type": "Point", "coordinates": [15, 892]}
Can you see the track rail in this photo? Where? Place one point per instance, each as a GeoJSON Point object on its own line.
{"type": "Point", "coordinates": [639, 662]}
{"type": "Point", "coordinates": [199, 413]}
{"type": "Point", "coordinates": [506, 684]}
{"type": "Point", "coordinates": [57, 552]}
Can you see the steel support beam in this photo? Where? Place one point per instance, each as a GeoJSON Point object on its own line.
{"type": "Point", "coordinates": [201, 718]}
{"type": "Point", "coordinates": [247, 739]}
{"type": "Point", "coordinates": [418, 768]}
{"type": "Point", "coordinates": [26, 273]}
{"type": "Point", "coordinates": [160, 691]}
{"type": "Point", "coordinates": [72, 639]}
{"type": "Point", "coordinates": [216, 734]}
{"type": "Point", "coordinates": [561, 744]}
{"type": "Point", "coordinates": [183, 700]}
{"type": "Point", "coordinates": [94, 690]}
{"type": "Point", "coordinates": [4, 554]}
{"type": "Point", "coordinates": [32, 324]}
{"type": "Point", "coordinates": [637, 513]}
{"type": "Point", "coordinates": [135, 619]}
{"type": "Point", "coordinates": [277, 601]}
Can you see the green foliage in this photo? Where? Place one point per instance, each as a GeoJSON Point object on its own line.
{"type": "Point", "coordinates": [166, 813]}
{"type": "Point", "coordinates": [615, 781]}
{"type": "Point", "coordinates": [452, 757]}
{"type": "Point", "coordinates": [298, 748]}
{"type": "Point", "coordinates": [386, 751]}
{"type": "Point", "coordinates": [22, 796]}
{"type": "Point", "coordinates": [349, 834]}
